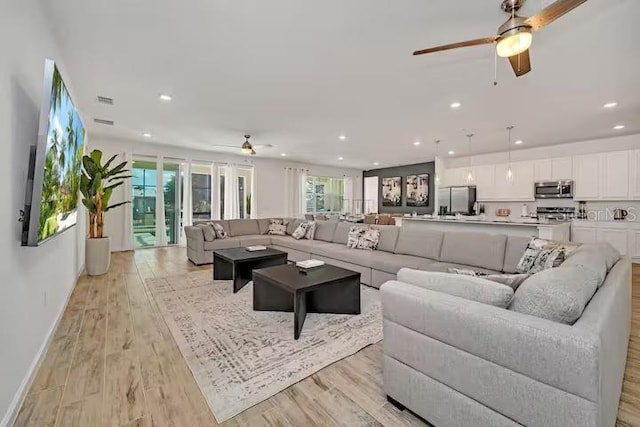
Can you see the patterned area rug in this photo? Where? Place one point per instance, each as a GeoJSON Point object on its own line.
{"type": "Point", "coordinates": [240, 357]}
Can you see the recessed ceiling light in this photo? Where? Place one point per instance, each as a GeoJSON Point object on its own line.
{"type": "Point", "coordinates": [342, 137]}
{"type": "Point", "coordinates": [618, 127]}
{"type": "Point", "coordinates": [340, 158]}
{"type": "Point", "coordinates": [451, 153]}
{"type": "Point", "coordinates": [376, 163]}
{"type": "Point", "coordinates": [610, 104]}
{"type": "Point", "coordinates": [518, 142]}
{"type": "Point", "coordinates": [455, 105]}
{"type": "Point", "coordinates": [416, 143]}
{"type": "Point", "coordinates": [146, 135]}
{"type": "Point", "coordinates": [165, 97]}
{"type": "Point", "coordinates": [283, 154]}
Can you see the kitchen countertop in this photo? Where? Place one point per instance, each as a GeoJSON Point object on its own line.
{"type": "Point", "coordinates": [525, 222]}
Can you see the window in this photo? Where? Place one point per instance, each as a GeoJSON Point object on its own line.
{"type": "Point", "coordinates": [324, 194]}
{"type": "Point", "coordinates": [201, 190]}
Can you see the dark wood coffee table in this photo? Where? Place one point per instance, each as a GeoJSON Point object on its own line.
{"type": "Point", "coordinates": [325, 289]}
{"type": "Point", "coordinates": [237, 264]}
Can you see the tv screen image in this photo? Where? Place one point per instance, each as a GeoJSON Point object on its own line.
{"type": "Point", "coordinates": [56, 166]}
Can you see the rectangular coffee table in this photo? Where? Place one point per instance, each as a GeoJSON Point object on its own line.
{"type": "Point", "coordinates": [325, 289]}
{"type": "Point", "coordinates": [237, 264]}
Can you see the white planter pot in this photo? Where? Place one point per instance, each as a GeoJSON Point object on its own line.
{"type": "Point", "coordinates": [98, 256]}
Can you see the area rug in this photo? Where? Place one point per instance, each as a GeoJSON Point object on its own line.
{"type": "Point", "coordinates": [240, 357]}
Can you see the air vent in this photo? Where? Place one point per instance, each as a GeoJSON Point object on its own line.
{"type": "Point", "coordinates": [104, 122]}
{"type": "Point", "coordinates": [105, 100]}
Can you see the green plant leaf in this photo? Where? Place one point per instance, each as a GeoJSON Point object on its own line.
{"type": "Point", "coordinates": [116, 169]}
{"type": "Point", "coordinates": [106, 165]}
{"type": "Point", "coordinates": [106, 196]}
{"type": "Point", "coordinates": [116, 205]}
{"type": "Point", "coordinates": [90, 166]}
{"type": "Point", "coordinates": [113, 178]}
{"type": "Point", "coordinates": [91, 206]}
{"type": "Point", "coordinates": [96, 156]}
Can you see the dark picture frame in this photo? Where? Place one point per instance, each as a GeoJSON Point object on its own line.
{"type": "Point", "coordinates": [417, 187]}
{"type": "Point", "coordinates": [392, 191]}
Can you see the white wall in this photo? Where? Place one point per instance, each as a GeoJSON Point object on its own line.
{"type": "Point", "coordinates": [34, 282]}
{"type": "Point", "coordinates": [268, 198]}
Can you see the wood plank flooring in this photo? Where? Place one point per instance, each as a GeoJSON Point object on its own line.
{"type": "Point", "coordinates": [113, 362]}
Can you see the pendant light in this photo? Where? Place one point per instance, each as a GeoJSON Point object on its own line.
{"type": "Point", "coordinates": [470, 178]}
{"type": "Point", "coordinates": [509, 175]}
{"type": "Point", "coordinates": [437, 179]}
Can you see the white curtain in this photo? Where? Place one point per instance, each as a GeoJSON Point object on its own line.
{"type": "Point", "coordinates": [127, 226]}
{"type": "Point", "coordinates": [231, 194]}
{"type": "Point", "coordinates": [161, 227]}
{"type": "Point", "coordinates": [187, 202]}
{"type": "Point", "coordinates": [215, 191]}
{"type": "Point", "coordinates": [348, 195]}
{"type": "Point", "coordinates": [295, 192]}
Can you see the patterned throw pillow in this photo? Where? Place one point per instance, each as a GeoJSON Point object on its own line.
{"type": "Point", "coordinates": [301, 231]}
{"type": "Point", "coordinates": [463, 271]}
{"type": "Point", "coordinates": [208, 232]}
{"type": "Point", "coordinates": [311, 230]}
{"type": "Point", "coordinates": [278, 227]}
{"type": "Point", "coordinates": [511, 280]}
{"type": "Point", "coordinates": [354, 235]}
{"type": "Point", "coordinates": [541, 254]}
{"type": "Point", "coordinates": [219, 229]}
{"type": "Point", "coordinates": [369, 240]}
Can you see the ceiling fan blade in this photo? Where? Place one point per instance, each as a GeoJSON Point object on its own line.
{"type": "Point", "coordinates": [225, 146]}
{"type": "Point", "coordinates": [552, 12]}
{"type": "Point", "coordinates": [475, 42]}
{"type": "Point", "coordinates": [258, 146]}
{"type": "Point", "coordinates": [521, 63]}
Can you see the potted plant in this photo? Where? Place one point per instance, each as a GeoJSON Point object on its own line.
{"type": "Point", "coordinates": [97, 183]}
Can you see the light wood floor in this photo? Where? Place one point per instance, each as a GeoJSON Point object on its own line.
{"type": "Point", "coordinates": [113, 362]}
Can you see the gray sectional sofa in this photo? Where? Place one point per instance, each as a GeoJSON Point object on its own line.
{"type": "Point", "coordinates": [426, 250]}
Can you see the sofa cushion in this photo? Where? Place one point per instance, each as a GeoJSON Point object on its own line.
{"type": "Point", "coordinates": [588, 259]}
{"type": "Point", "coordinates": [326, 249]}
{"type": "Point", "coordinates": [243, 227]}
{"type": "Point", "coordinates": [557, 294]}
{"type": "Point", "coordinates": [293, 224]}
{"type": "Point", "coordinates": [444, 267]}
{"type": "Point", "coordinates": [342, 253]}
{"type": "Point", "coordinates": [388, 237]}
{"type": "Point", "coordinates": [325, 230]}
{"type": "Point", "coordinates": [229, 242]}
{"type": "Point", "coordinates": [391, 263]}
{"type": "Point", "coordinates": [513, 252]}
{"type": "Point", "coordinates": [609, 253]}
{"type": "Point", "coordinates": [302, 245]}
{"type": "Point", "coordinates": [221, 233]}
{"type": "Point", "coordinates": [225, 226]}
{"type": "Point", "coordinates": [463, 286]}
{"type": "Point", "coordinates": [513, 280]}
{"type": "Point", "coordinates": [475, 249]}
{"type": "Point", "coordinates": [255, 239]}
{"type": "Point", "coordinates": [263, 225]}
{"type": "Point", "coordinates": [341, 234]}
{"type": "Point", "coordinates": [208, 232]}
{"type": "Point", "coordinates": [301, 230]}
{"type": "Point", "coordinates": [422, 243]}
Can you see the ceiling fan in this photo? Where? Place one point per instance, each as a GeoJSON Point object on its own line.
{"type": "Point", "coordinates": [247, 147]}
{"type": "Point", "coordinates": [514, 36]}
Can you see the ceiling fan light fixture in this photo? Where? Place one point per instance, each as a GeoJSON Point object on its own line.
{"type": "Point", "coordinates": [514, 42]}
{"type": "Point", "coordinates": [247, 148]}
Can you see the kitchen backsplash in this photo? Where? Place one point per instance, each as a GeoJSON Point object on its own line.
{"type": "Point", "coordinates": [596, 211]}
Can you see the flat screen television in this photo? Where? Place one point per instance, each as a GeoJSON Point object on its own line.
{"type": "Point", "coordinates": [55, 164]}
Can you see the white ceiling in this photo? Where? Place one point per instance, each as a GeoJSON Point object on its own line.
{"type": "Point", "coordinates": [298, 73]}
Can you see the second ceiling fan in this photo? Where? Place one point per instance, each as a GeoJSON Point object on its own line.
{"type": "Point", "coordinates": [514, 36]}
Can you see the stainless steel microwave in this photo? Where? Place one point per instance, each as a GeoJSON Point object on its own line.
{"type": "Point", "coordinates": [554, 189]}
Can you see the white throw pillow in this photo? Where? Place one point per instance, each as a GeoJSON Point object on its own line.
{"type": "Point", "coordinates": [541, 254]}
{"type": "Point", "coordinates": [219, 229]}
{"type": "Point", "coordinates": [278, 227]}
{"type": "Point", "coordinates": [311, 230]}
{"type": "Point", "coordinates": [301, 231]}
{"type": "Point", "coordinates": [354, 235]}
{"type": "Point", "coordinates": [369, 240]}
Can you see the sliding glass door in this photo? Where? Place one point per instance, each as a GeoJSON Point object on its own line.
{"type": "Point", "coordinates": [144, 182]}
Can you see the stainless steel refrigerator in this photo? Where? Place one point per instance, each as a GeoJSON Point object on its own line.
{"type": "Point", "coordinates": [457, 200]}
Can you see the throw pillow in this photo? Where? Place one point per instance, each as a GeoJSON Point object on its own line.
{"type": "Point", "coordinates": [368, 240]}
{"type": "Point", "coordinates": [463, 271]}
{"type": "Point", "coordinates": [219, 229]}
{"type": "Point", "coordinates": [511, 280]}
{"type": "Point", "coordinates": [541, 254]}
{"type": "Point", "coordinates": [301, 231]}
{"type": "Point", "coordinates": [208, 232]}
{"type": "Point", "coordinates": [278, 227]}
{"type": "Point", "coordinates": [354, 234]}
{"type": "Point", "coordinates": [311, 230]}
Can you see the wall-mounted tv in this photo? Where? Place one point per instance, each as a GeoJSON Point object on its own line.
{"type": "Point", "coordinates": [54, 164]}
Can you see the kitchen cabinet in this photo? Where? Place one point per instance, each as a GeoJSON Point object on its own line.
{"type": "Point", "coordinates": [581, 234]}
{"type": "Point", "coordinates": [614, 175]}
{"type": "Point", "coordinates": [520, 188]}
{"type": "Point", "coordinates": [457, 176]}
{"type": "Point", "coordinates": [586, 176]}
{"type": "Point", "coordinates": [616, 236]}
{"type": "Point", "coordinates": [485, 183]}
{"type": "Point", "coordinates": [560, 168]}
{"type": "Point", "coordinates": [634, 244]}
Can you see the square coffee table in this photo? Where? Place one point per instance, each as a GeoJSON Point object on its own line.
{"type": "Point", "coordinates": [237, 264]}
{"type": "Point", "coordinates": [324, 289]}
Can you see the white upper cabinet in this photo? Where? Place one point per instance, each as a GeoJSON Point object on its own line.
{"type": "Point", "coordinates": [586, 174]}
{"type": "Point", "coordinates": [561, 168]}
{"type": "Point", "coordinates": [485, 182]}
{"type": "Point", "coordinates": [634, 175]}
{"type": "Point", "coordinates": [542, 170]}
{"type": "Point", "coordinates": [520, 188]}
{"type": "Point", "coordinates": [457, 176]}
{"type": "Point", "coordinates": [614, 178]}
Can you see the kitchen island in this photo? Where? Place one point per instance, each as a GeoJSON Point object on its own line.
{"type": "Point", "coordinates": [525, 227]}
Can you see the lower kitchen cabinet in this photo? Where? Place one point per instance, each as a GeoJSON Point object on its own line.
{"type": "Point", "coordinates": [623, 235]}
{"type": "Point", "coordinates": [618, 238]}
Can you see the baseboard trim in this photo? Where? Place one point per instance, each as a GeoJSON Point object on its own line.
{"type": "Point", "coordinates": [11, 415]}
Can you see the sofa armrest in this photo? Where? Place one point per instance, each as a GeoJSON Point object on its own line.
{"type": "Point", "coordinates": [553, 353]}
{"type": "Point", "coordinates": [195, 237]}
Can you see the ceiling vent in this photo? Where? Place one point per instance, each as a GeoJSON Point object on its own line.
{"type": "Point", "coordinates": [105, 100]}
{"type": "Point", "coordinates": [104, 122]}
